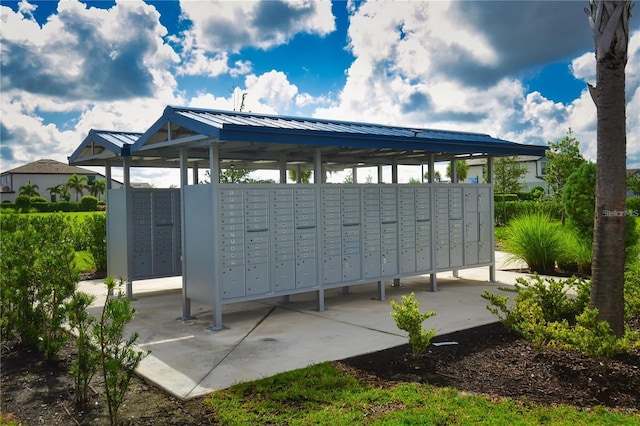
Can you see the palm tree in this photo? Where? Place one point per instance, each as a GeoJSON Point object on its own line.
{"type": "Point", "coordinates": [53, 191]}
{"type": "Point", "coordinates": [98, 188]}
{"type": "Point", "coordinates": [29, 190]}
{"type": "Point", "coordinates": [77, 183]}
{"type": "Point", "coordinates": [609, 22]}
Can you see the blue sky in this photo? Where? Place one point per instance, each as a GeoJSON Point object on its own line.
{"type": "Point", "coordinates": [515, 70]}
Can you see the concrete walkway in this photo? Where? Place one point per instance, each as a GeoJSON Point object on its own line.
{"type": "Point", "coordinates": [266, 337]}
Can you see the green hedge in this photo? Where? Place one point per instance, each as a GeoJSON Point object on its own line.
{"type": "Point", "coordinates": [507, 197]}
{"type": "Point", "coordinates": [62, 206]}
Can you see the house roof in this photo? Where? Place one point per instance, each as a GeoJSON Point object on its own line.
{"type": "Point", "coordinates": [250, 140]}
{"type": "Point", "coordinates": [49, 167]}
{"type": "Point", "coordinates": [102, 145]}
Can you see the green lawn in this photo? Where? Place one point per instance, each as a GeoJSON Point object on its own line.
{"type": "Point", "coordinates": [324, 395]}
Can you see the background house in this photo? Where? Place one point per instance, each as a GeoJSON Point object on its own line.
{"type": "Point", "coordinates": [44, 173]}
{"type": "Point", "coordinates": [533, 177]}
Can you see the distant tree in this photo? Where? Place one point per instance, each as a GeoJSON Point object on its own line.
{"type": "Point", "coordinates": [437, 177]}
{"type": "Point", "coordinates": [414, 180]}
{"type": "Point", "coordinates": [98, 188]}
{"type": "Point", "coordinates": [462, 169]}
{"type": "Point", "coordinates": [53, 191]}
{"type": "Point", "coordinates": [77, 183]}
{"type": "Point", "coordinates": [506, 179]}
{"type": "Point", "coordinates": [29, 190]}
{"type": "Point", "coordinates": [348, 178]}
{"type": "Point", "coordinates": [305, 175]}
{"type": "Point", "coordinates": [64, 193]}
{"type": "Point", "coordinates": [609, 21]}
{"type": "Point", "coordinates": [563, 158]}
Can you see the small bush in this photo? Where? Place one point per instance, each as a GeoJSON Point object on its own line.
{"type": "Point", "coordinates": [536, 240]}
{"type": "Point", "coordinates": [68, 206]}
{"type": "Point", "coordinates": [38, 199]}
{"type": "Point", "coordinates": [591, 337]}
{"type": "Point", "coordinates": [409, 318]}
{"type": "Point", "coordinates": [117, 355]}
{"type": "Point", "coordinates": [544, 299]}
{"type": "Point", "coordinates": [96, 229]}
{"type": "Point", "coordinates": [38, 278]}
{"type": "Point", "coordinates": [88, 203]}
{"type": "Point", "coordinates": [23, 203]}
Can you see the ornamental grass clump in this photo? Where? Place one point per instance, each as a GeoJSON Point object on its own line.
{"type": "Point", "coordinates": [409, 318]}
{"type": "Point", "coordinates": [536, 240]}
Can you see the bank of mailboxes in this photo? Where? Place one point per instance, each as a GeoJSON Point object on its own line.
{"type": "Point", "coordinates": [280, 239]}
{"type": "Point", "coordinates": [156, 233]}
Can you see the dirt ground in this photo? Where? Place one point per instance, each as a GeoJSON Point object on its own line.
{"type": "Point", "coordinates": [487, 360]}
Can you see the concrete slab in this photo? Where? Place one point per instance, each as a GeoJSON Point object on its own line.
{"type": "Point", "coordinates": [266, 337]}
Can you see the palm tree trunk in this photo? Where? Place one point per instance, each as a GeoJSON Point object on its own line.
{"type": "Point", "coordinates": [611, 39]}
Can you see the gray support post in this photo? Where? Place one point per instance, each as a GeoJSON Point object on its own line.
{"type": "Point", "coordinates": [195, 174]}
{"type": "Point", "coordinates": [492, 267]}
{"type": "Point", "coordinates": [433, 281]}
{"type": "Point", "coordinates": [318, 179]}
{"type": "Point", "coordinates": [431, 167]}
{"type": "Point", "coordinates": [380, 283]}
{"type": "Point", "coordinates": [186, 302]}
{"type": "Point", "coordinates": [283, 180]}
{"type": "Point", "coordinates": [129, 226]}
{"type": "Point", "coordinates": [108, 184]}
{"type": "Point", "coordinates": [454, 179]}
{"type": "Point", "coordinates": [381, 291]}
{"type": "Point", "coordinates": [394, 180]}
{"type": "Point", "coordinates": [214, 170]}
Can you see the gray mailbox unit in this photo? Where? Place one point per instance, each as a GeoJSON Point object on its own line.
{"type": "Point", "coordinates": [252, 241]}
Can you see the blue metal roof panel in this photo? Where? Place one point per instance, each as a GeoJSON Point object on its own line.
{"type": "Point", "coordinates": [110, 143]}
{"type": "Point", "coordinates": [234, 126]}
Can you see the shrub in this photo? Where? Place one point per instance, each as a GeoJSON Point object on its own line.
{"type": "Point", "coordinates": [38, 199]}
{"type": "Point", "coordinates": [409, 318]}
{"type": "Point", "coordinates": [85, 364]}
{"type": "Point", "coordinates": [591, 337]}
{"type": "Point", "coordinates": [118, 358]}
{"type": "Point", "coordinates": [536, 240]}
{"type": "Point", "coordinates": [88, 203]}
{"type": "Point", "coordinates": [543, 311]}
{"type": "Point", "coordinates": [96, 231]}
{"type": "Point", "coordinates": [38, 278]}
{"type": "Point", "coordinates": [544, 300]}
{"type": "Point", "coordinates": [68, 206]}
{"type": "Point", "coordinates": [23, 203]}
{"type": "Point", "coordinates": [579, 198]}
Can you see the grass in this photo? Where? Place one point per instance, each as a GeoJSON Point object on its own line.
{"type": "Point", "coordinates": [325, 395]}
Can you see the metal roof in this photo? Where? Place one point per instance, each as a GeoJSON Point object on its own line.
{"type": "Point", "coordinates": [101, 145]}
{"type": "Point", "coordinates": [262, 141]}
